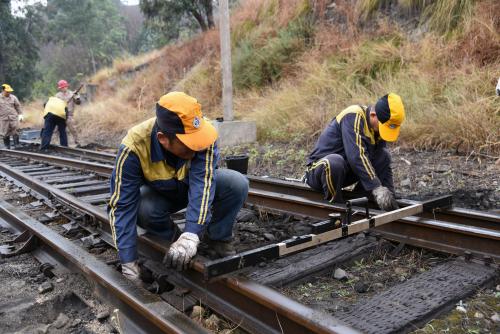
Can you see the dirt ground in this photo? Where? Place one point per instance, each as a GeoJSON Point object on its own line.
{"type": "Point", "coordinates": [473, 180]}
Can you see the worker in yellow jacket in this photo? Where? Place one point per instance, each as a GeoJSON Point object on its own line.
{"type": "Point", "coordinates": [54, 115]}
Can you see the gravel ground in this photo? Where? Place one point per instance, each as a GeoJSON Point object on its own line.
{"type": "Point", "coordinates": [31, 302]}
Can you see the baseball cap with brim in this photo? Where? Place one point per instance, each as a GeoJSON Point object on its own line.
{"type": "Point", "coordinates": [180, 114]}
{"type": "Point", "coordinates": [7, 88]}
{"type": "Point", "coordinates": [391, 114]}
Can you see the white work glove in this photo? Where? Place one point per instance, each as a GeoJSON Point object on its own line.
{"type": "Point", "coordinates": [182, 251]}
{"type": "Point", "coordinates": [132, 271]}
{"type": "Point", "coordinates": [385, 198]}
{"type": "Point", "coordinates": [20, 118]}
{"type": "Point", "coordinates": [498, 87]}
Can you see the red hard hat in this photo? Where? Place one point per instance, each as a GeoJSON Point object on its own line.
{"type": "Point", "coordinates": [62, 84]}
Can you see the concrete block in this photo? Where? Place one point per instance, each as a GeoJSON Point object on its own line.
{"type": "Point", "coordinates": [235, 132]}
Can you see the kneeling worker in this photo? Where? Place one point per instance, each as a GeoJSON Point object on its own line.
{"type": "Point", "coordinates": [163, 165]}
{"type": "Point", "coordinates": [352, 149]}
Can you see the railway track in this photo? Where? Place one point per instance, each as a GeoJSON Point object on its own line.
{"type": "Point", "coordinates": [72, 181]}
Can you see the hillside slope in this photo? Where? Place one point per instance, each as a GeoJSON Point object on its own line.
{"type": "Point", "coordinates": [298, 63]}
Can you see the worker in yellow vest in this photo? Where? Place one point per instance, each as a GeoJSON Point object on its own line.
{"type": "Point", "coordinates": [54, 115]}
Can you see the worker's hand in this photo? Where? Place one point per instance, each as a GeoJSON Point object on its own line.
{"type": "Point", "coordinates": [132, 271]}
{"type": "Point", "coordinates": [78, 101]}
{"type": "Point", "coordinates": [385, 198]}
{"type": "Point", "coordinates": [20, 118]}
{"type": "Point", "coordinates": [182, 251]}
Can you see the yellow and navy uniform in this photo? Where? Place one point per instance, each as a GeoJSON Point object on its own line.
{"type": "Point", "coordinates": [350, 136]}
{"type": "Point", "coordinates": [142, 160]}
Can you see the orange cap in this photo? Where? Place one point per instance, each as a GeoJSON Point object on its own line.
{"type": "Point", "coordinates": [180, 114]}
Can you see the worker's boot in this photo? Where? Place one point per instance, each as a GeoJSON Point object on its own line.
{"type": "Point", "coordinates": [222, 248]}
{"type": "Point", "coordinates": [16, 140]}
{"type": "Point", "coordinates": [6, 142]}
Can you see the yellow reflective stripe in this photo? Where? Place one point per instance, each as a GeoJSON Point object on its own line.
{"type": "Point", "coordinates": [364, 159]}
{"type": "Point", "coordinates": [118, 162]}
{"type": "Point", "coordinates": [206, 187]}
{"type": "Point", "coordinates": [210, 178]}
{"type": "Point", "coordinates": [116, 198]}
{"type": "Point", "coordinates": [368, 166]}
{"type": "Point", "coordinates": [329, 182]}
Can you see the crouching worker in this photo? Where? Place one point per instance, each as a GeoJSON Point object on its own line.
{"type": "Point", "coordinates": [163, 165]}
{"type": "Point", "coordinates": [54, 116]}
{"type": "Point", "coordinates": [352, 149]}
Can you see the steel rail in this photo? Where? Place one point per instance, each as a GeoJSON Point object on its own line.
{"type": "Point", "coordinates": [456, 230]}
{"type": "Point", "coordinates": [79, 152]}
{"type": "Point", "coordinates": [276, 186]}
{"type": "Point", "coordinates": [454, 214]}
{"type": "Point", "coordinates": [255, 307]}
{"type": "Point", "coordinates": [144, 312]}
{"type": "Point", "coordinates": [101, 169]}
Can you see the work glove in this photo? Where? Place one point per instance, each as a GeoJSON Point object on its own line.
{"type": "Point", "coordinates": [182, 251]}
{"type": "Point", "coordinates": [20, 118]}
{"type": "Point", "coordinates": [385, 198]}
{"type": "Point", "coordinates": [132, 271]}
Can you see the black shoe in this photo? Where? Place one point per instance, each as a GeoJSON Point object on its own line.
{"type": "Point", "coordinates": [16, 140]}
{"type": "Point", "coordinates": [222, 248]}
{"type": "Point", "coordinates": [6, 142]}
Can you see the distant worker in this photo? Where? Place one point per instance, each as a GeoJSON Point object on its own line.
{"type": "Point", "coordinates": [10, 116]}
{"type": "Point", "coordinates": [54, 115]}
{"type": "Point", "coordinates": [163, 165]}
{"type": "Point", "coordinates": [71, 99]}
{"type": "Point", "coordinates": [352, 149]}
{"type": "Point", "coordinates": [498, 87]}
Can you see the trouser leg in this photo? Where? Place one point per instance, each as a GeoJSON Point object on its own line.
{"type": "Point", "coordinates": [15, 137]}
{"type": "Point", "coordinates": [6, 142]}
{"type": "Point", "coordinates": [63, 136]}
{"type": "Point", "coordinates": [70, 123]}
{"type": "Point", "coordinates": [155, 210]}
{"type": "Point", "coordinates": [48, 130]}
{"type": "Point", "coordinates": [327, 175]}
{"type": "Point", "coordinates": [231, 192]}
{"type": "Point", "coordinates": [382, 164]}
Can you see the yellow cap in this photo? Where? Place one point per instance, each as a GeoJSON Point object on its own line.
{"type": "Point", "coordinates": [391, 114]}
{"type": "Point", "coordinates": [7, 88]}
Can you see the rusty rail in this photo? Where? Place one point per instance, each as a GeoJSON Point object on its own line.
{"type": "Point", "coordinates": [139, 311]}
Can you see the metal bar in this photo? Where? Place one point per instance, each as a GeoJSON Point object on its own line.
{"type": "Point", "coordinates": [252, 257]}
{"type": "Point", "coordinates": [143, 307]}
